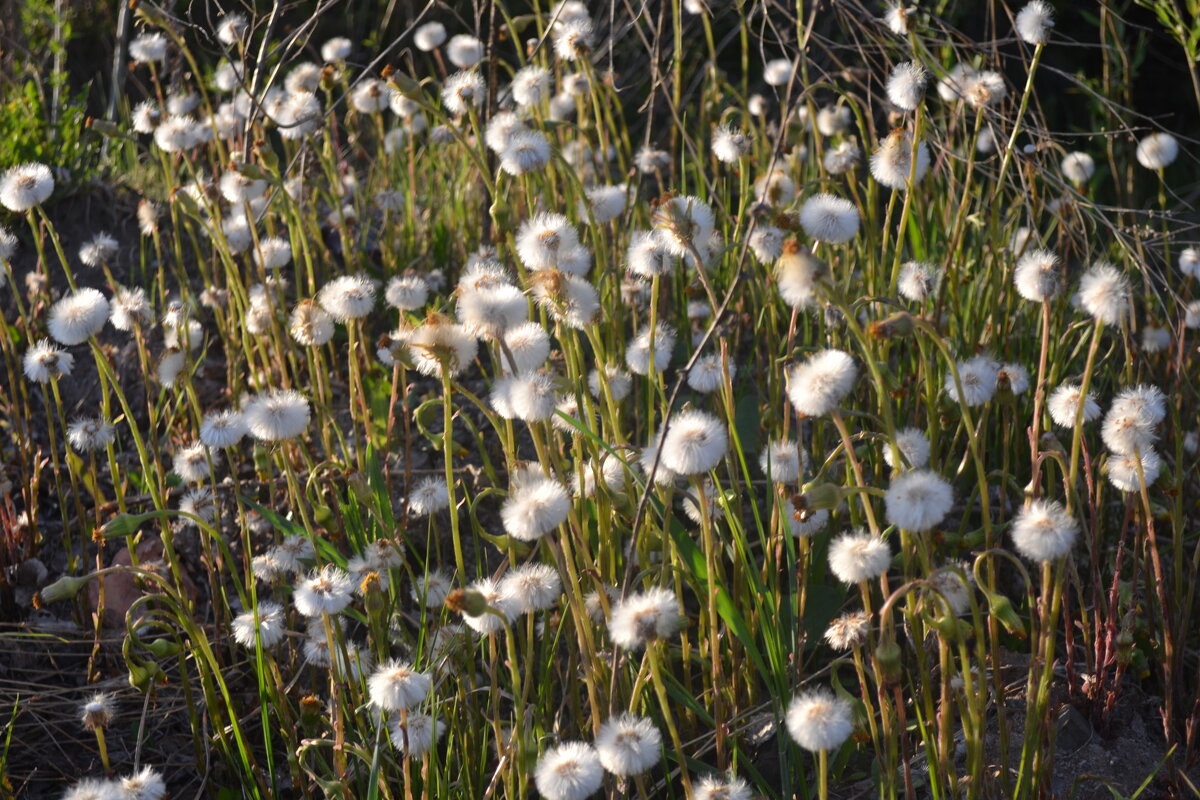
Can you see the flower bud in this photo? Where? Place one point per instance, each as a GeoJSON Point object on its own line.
{"type": "Point", "coordinates": [1001, 608]}
{"type": "Point", "coordinates": [470, 603]}
{"type": "Point", "coordinates": [890, 661]}
{"type": "Point", "coordinates": [822, 496]}
{"type": "Point", "coordinates": [64, 588]}
{"type": "Point", "coordinates": [163, 648]}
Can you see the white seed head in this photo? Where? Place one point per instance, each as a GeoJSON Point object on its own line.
{"type": "Point", "coordinates": [818, 720]}
{"type": "Point", "coordinates": [1044, 531]}
{"type": "Point", "coordinates": [918, 500]}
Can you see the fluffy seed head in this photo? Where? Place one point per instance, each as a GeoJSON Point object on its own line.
{"type": "Point", "coordinates": [918, 500]}
{"type": "Point", "coordinates": [396, 686]}
{"type": "Point", "coordinates": [906, 85]}
{"type": "Point", "coordinates": [695, 443]}
{"type": "Point", "coordinates": [25, 186]}
{"type": "Point", "coordinates": [891, 163]}
{"type": "Point", "coordinates": [859, 556]}
{"type": "Point", "coordinates": [1063, 405]}
{"type": "Point", "coordinates": [1123, 471]}
{"type": "Point", "coordinates": [415, 734]}
{"type": "Point", "coordinates": [535, 506]}
{"type": "Point", "coordinates": [829, 218]}
{"type": "Point", "coordinates": [78, 316]}
{"type": "Point", "coordinates": [780, 461]}
{"type": "Point", "coordinates": [277, 415]}
{"type": "Point", "coordinates": [1105, 294]}
{"type": "Point", "coordinates": [348, 297]}
{"type": "Point", "coordinates": [1078, 168]}
{"type": "Point", "coordinates": [637, 353]}
{"type": "Point", "coordinates": [327, 591]}
{"type": "Point", "coordinates": [145, 784]}
{"type": "Point", "coordinates": [913, 445]}
{"type": "Point", "coordinates": [849, 631]}
{"type": "Point", "coordinates": [644, 617]}
{"type": "Point", "coordinates": [628, 745]}
{"type": "Point", "coordinates": [532, 587]}
{"type": "Point", "coordinates": [1044, 531]}
{"type": "Point", "coordinates": [820, 383]}
{"type": "Point", "coordinates": [87, 435]}
{"type": "Point", "coordinates": [977, 377]}
{"type": "Point", "coordinates": [429, 36]}
{"type": "Point", "coordinates": [684, 223]}
{"type": "Point", "coordinates": [817, 720]}
{"type": "Point", "coordinates": [464, 51]}
{"type": "Point", "coordinates": [1034, 21]}
{"type": "Point", "coordinates": [1157, 151]}
{"type": "Point", "coordinates": [544, 239]}
{"type": "Point", "coordinates": [269, 628]}
{"type": "Point", "coordinates": [571, 771]}
{"type": "Point", "coordinates": [525, 151]}
{"type": "Point", "coordinates": [778, 72]}
{"type": "Point", "coordinates": [148, 48]}
{"type": "Point", "coordinates": [730, 145]}
{"type": "Point", "coordinates": [463, 91]}
{"type": "Point", "coordinates": [530, 85]}
{"type": "Point", "coordinates": [1037, 275]}
{"type": "Point", "coordinates": [712, 787]}
{"type": "Point", "coordinates": [46, 362]}
{"type": "Point", "coordinates": [918, 281]}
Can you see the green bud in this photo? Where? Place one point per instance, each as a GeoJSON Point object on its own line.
{"type": "Point", "coordinates": [362, 491]}
{"type": "Point", "coordinates": [322, 516]}
{"type": "Point", "coordinates": [890, 661]}
{"type": "Point", "coordinates": [163, 648]}
{"type": "Point", "coordinates": [822, 495]}
{"type": "Point", "coordinates": [951, 628]}
{"type": "Point", "coordinates": [64, 588]}
{"type": "Point", "coordinates": [1001, 608]}
{"type": "Point", "coordinates": [123, 525]}
{"type": "Point", "coordinates": [405, 85]}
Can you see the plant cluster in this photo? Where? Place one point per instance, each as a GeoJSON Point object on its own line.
{"type": "Point", "coordinates": [480, 422]}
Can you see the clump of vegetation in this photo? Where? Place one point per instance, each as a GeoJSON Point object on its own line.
{"type": "Point", "coordinates": [794, 414]}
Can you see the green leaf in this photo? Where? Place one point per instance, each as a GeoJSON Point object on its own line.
{"type": "Point", "coordinates": [694, 558]}
{"type": "Point", "coordinates": [748, 421]}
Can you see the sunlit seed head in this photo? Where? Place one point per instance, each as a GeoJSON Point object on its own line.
{"type": "Point", "coordinates": [859, 556]}
{"type": "Point", "coordinates": [1158, 150]}
{"type": "Point", "coordinates": [892, 162]}
{"type": "Point", "coordinates": [628, 745]}
{"type": "Point", "coordinates": [1034, 22]}
{"type": "Point", "coordinates": [816, 386]}
{"type": "Point", "coordinates": [149, 48]}
{"type": "Point", "coordinates": [1130, 472]}
{"type": "Point", "coordinates": [1044, 531]}
{"type": "Point", "coordinates": [906, 85]}
{"type": "Point", "coordinates": [46, 362]}
{"type": "Point", "coordinates": [977, 380]}
{"type": "Point", "coordinates": [1104, 293]}
{"type": "Point", "coordinates": [145, 784]}
{"type": "Point", "coordinates": [89, 435]}
{"type": "Point", "coordinates": [819, 721]}
{"type": "Point", "coordinates": [1038, 275]}
{"type": "Point", "coordinates": [918, 500]}
{"type": "Point", "coordinates": [849, 631]}
{"type": "Point", "coordinates": [78, 316]}
{"type": "Point", "coordinates": [277, 415]}
{"type": "Point", "coordinates": [464, 50]}
{"type": "Point", "coordinates": [265, 624]}
{"type": "Point", "coordinates": [532, 587]}
{"type": "Point", "coordinates": [570, 771]}
{"type": "Point", "coordinates": [645, 617]}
